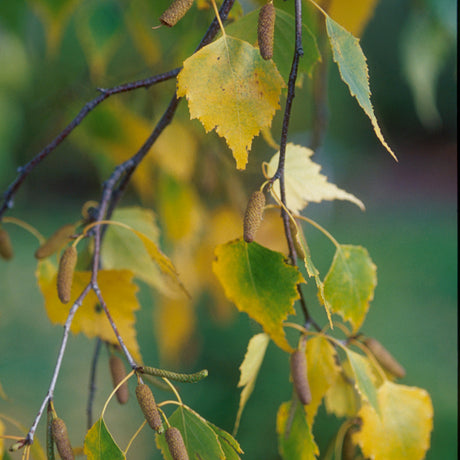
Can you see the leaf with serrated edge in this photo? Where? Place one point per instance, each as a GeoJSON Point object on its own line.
{"type": "Point", "coordinates": [227, 442]}
{"type": "Point", "coordinates": [402, 431]}
{"type": "Point", "coordinates": [260, 283]}
{"type": "Point", "coordinates": [349, 56]}
{"type": "Point", "coordinates": [100, 445]}
{"type": "Point", "coordinates": [118, 291]}
{"type": "Point", "coordinates": [362, 373]}
{"type": "Point", "coordinates": [231, 88]}
{"type": "Point", "coordinates": [200, 440]}
{"type": "Point", "coordinates": [350, 283]}
{"type": "Point", "coordinates": [322, 372]}
{"type": "Point", "coordinates": [295, 439]}
{"type": "Point", "coordinates": [304, 183]}
{"type": "Point", "coordinates": [250, 370]}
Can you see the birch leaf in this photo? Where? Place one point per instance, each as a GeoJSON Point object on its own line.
{"type": "Point", "coordinates": [231, 89]}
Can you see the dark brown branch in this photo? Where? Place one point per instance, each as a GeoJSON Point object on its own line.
{"type": "Point", "coordinates": [92, 384]}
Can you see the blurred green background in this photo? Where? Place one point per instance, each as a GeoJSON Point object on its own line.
{"type": "Point", "coordinates": [409, 228]}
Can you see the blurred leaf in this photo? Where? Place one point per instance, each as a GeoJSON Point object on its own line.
{"type": "Point", "coordinates": [201, 441]}
{"type": "Point", "coordinates": [2, 432]}
{"type": "Point", "coordinates": [283, 47]}
{"type": "Point", "coordinates": [363, 376]}
{"type": "Point", "coordinates": [402, 431]}
{"type": "Point", "coordinates": [250, 370]}
{"type": "Point", "coordinates": [100, 445]}
{"type": "Point", "coordinates": [353, 15]}
{"type": "Point", "coordinates": [260, 283]}
{"type": "Point", "coordinates": [424, 48]}
{"type": "Point", "coordinates": [230, 88]}
{"type": "Point", "coordinates": [322, 372]}
{"type": "Point", "coordinates": [349, 285]}
{"type": "Point", "coordinates": [295, 439]}
{"type": "Point", "coordinates": [304, 183]}
{"type": "Point", "coordinates": [118, 291]}
{"type": "Point", "coordinates": [341, 398]}
{"type": "Point", "coordinates": [352, 64]}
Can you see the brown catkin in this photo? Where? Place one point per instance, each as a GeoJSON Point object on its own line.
{"type": "Point", "coordinates": [55, 242]}
{"type": "Point", "coordinates": [266, 30]}
{"type": "Point", "coordinates": [385, 358]}
{"type": "Point", "coordinates": [149, 407]}
{"type": "Point", "coordinates": [65, 273]}
{"type": "Point", "coordinates": [175, 12]}
{"type": "Point", "coordinates": [253, 215]}
{"type": "Point", "coordinates": [61, 438]}
{"type": "Point", "coordinates": [299, 376]}
{"type": "Point", "coordinates": [118, 373]}
{"type": "Point", "coordinates": [176, 444]}
{"type": "Point", "coordinates": [6, 248]}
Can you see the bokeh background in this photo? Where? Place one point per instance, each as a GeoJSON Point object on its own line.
{"type": "Point", "coordinates": [54, 54]}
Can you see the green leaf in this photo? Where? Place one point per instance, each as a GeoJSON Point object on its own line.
{"type": "Point", "coordinates": [260, 283]}
{"type": "Point", "coordinates": [362, 373]}
{"type": "Point", "coordinates": [283, 47]}
{"type": "Point", "coordinates": [295, 439]}
{"type": "Point", "coordinates": [402, 431]}
{"type": "Point", "coordinates": [99, 444]}
{"type": "Point", "coordinates": [228, 443]}
{"type": "Point", "coordinates": [250, 370]}
{"type": "Point", "coordinates": [230, 88]}
{"type": "Point", "coordinates": [348, 55]}
{"type": "Point", "coordinates": [201, 441]}
{"type": "Point", "coordinates": [349, 285]}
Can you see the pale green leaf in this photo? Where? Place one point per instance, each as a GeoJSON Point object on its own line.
{"type": "Point", "coordinates": [260, 283]}
{"type": "Point", "coordinates": [230, 88]}
{"type": "Point", "coordinates": [349, 285]}
{"type": "Point", "coordinates": [362, 373]}
{"type": "Point", "coordinates": [295, 439]}
{"type": "Point", "coordinates": [402, 431]}
{"type": "Point", "coordinates": [348, 55]}
{"type": "Point", "coordinates": [200, 440]}
{"type": "Point", "coordinates": [304, 183]}
{"type": "Point", "coordinates": [227, 442]}
{"type": "Point", "coordinates": [250, 370]}
{"type": "Point", "coordinates": [100, 445]}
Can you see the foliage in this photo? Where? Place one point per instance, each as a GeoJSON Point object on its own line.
{"type": "Point", "coordinates": [176, 241]}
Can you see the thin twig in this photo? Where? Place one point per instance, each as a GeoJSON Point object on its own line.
{"type": "Point", "coordinates": [92, 383]}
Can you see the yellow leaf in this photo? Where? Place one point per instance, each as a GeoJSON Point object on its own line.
{"type": "Point", "coordinates": [341, 398]}
{"type": "Point", "coordinates": [322, 372]}
{"type": "Point", "coordinates": [304, 183]}
{"type": "Point", "coordinates": [230, 88]}
{"type": "Point", "coordinates": [351, 14]}
{"type": "Point", "coordinates": [250, 370]}
{"type": "Point", "coordinates": [2, 430]}
{"type": "Point", "coordinates": [402, 432]}
{"type": "Point", "coordinates": [118, 291]}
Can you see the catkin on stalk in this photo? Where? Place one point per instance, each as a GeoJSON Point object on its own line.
{"type": "Point", "coordinates": [175, 12]}
{"type": "Point", "coordinates": [6, 248]}
{"type": "Point", "coordinates": [298, 363]}
{"type": "Point", "coordinates": [253, 215]}
{"type": "Point", "coordinates": [176, 444]}
{"type": "Point", "coordinates": [61, 438]}
{"type": "Point", "coordinates": [149, 407]}
{"type": "Point", "coordinates": [266, 30]}
{"type": "Point", "coordinates": [55, 242]}
{"type": "Point", "coordinates": [118, 373]}
{"type": "Point", "coordinates": [65, 273]}
{"type": "Point", "coordinates": [385, 358]}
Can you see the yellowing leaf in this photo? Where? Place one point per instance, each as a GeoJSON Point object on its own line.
{"type": "Point", "coordinates": [2, 431]}
{"type": "Point", "coordinates": [304, 183]}
{"type": "Point", "coordinates": [295, 439]}
{"type": "Point", "coordinates": [348, 55]}
{"type": "Point", "coordinates": [119, 293]}
{"type": "Point", "coordinates": [250, 370]}
{"type": "Point", "coordinates": [402, 432]}
{"type": "Point", "coordinates": [322, 372]}
{"type": "Point", "coordinates": [100, 445]}
{"type": "Point", "coordinates": [260, 283]}
{"type": "Point", "coordinates": [349, 285]}
{"type": "Point", "coordinates": [230, 88]}
{"type": "Point", "coordinates": [351, 14]}
{"type": "Point", "coordinates": [341, 398]}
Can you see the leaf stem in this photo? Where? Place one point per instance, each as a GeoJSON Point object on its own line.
{"type": "Point", "coordinates": [321, 229]}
